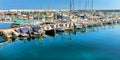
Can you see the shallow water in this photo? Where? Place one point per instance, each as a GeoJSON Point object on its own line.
{"type": "Point", "coordinates": [96, 43]}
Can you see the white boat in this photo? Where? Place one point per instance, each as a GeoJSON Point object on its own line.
{"type": "Point", "coordinates": [89, 24]}
{"type": "Point", "coordinates": [49, 30]}
{"type": "Point", "coordinates": [60, 29]}
{"type": "Point", "coordinates": [68, 26]}
{"type": "Point", "coordinates": [78, 26]}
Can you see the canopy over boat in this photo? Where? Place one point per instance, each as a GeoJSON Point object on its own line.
{"type": "Point", "coordinates": [36, 28]}
{"type": "Point", "coordinates": [18, 21]}
{"type": "Point", "coordinates": [24, 30]}
{"type": "Point", "coordinates": [83, 17]}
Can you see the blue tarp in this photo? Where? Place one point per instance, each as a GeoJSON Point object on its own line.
{"type": "Point", "coordinates": [36, 29]}
{"type": "Point", "coordinates": [24, 30]}
{"type": "Point", "coordinates": [83, 17]}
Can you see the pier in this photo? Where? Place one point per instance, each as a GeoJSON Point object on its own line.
{"type": "Point", "coordinates": [7, 29]}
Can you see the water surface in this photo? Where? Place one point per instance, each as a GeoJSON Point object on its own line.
{"type": "Point", "coordinates": [96, 43]}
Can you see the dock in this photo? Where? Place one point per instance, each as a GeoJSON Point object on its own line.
{"type": "Point", "coordinates": [8, 29]}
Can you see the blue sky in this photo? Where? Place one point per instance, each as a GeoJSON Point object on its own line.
{"type": "Point", "coordinates": [56, 4]}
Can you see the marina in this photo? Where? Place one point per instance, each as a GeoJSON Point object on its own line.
{"type": "Point", "coordinates": [76, 38]}
{"type": "Point", "coordinates": [66, 30]}
{"type": "Point", "coordinates": [37, 22]}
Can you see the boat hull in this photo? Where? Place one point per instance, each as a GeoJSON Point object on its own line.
{"type": "Point", "coordinates": [50, 32]}
{"type": "Point", "coordinates": [60, 29]}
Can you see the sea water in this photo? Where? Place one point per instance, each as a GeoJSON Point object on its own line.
{"type": "Point", "coordinates": [94, 43]}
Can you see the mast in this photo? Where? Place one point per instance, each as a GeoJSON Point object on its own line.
{"type": "Point", "coordinates": [48, 6]}
{"type": "Point", "coordinates": [88, 5]}
{"type": "Point", "coordinates": [70, 5]}
{"type": "Point", "coordinates": [70, 8]}
{"type": "Point", "coordinates": [73, 4]}
{"type": "Point", "coordinates": [92, 5]}
{"type": "Point", "coordinates": [80, 5]}
{"type": "Point", "coordinates": [85, 4]}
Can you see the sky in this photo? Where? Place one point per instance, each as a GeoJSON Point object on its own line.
{"type": "Point", "coordinates": [56, 4]}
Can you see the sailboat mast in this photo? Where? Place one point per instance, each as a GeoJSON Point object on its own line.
{"type": "Point", "coordinates": [73, 4]}
{"type": "Point", "coordinates": [70, 5]}
{"type": "Point", "coordinates": [86, 5]}
{"type": "Point", "coordinates": [80, 5]}
{"type": "Point", "coordinates": [92, 5]}
{"type": "Point", "coordinates": [48, 6]}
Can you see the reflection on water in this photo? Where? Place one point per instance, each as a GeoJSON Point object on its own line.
{"type": "Point", "coordinates": [93, 43]}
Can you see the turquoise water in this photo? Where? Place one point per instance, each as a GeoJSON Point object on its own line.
{"type": "Point", "coordinates": [97, 43]}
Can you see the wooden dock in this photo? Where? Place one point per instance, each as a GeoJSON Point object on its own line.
{"type": "Point", "coordinates": [7, 29]}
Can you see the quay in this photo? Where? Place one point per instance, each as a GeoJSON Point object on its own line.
{"type": "Point", "coordinates": [6, 29]}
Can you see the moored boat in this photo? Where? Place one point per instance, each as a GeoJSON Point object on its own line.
{"type": "Point", "coordinates": [37, 30]}
{"type": "Point", "coordinates": [78, 26]}
{"type": "Point", "coordinates": [60, 29]}
{"type": "Point", "coordinates": [49, 31]}
{"type": "Point", "coordinates": [23, 32]}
